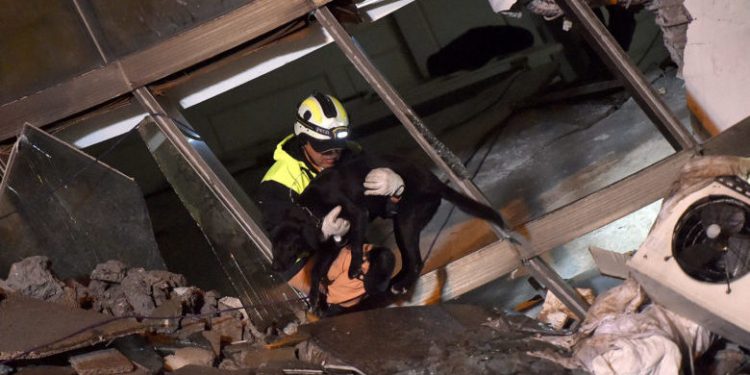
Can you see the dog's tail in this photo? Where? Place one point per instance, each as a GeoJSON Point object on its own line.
{"type": "Point", "coordinates": [472, 207]}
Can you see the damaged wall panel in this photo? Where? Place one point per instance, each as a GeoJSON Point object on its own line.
{"type": "Point", "coordinates": [267, 298]}
{"type": "Point", "coordinates": [58, 202]}
{"type": "Point", "coordinates": [717, 62]}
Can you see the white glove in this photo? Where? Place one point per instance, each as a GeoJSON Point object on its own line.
{"type": "Point", "coordinates": [333, 225]}
{"type": "Point", "coordinates": [383, 181]}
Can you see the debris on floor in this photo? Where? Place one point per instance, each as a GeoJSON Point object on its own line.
{"type": "Point", "coordinates": [556, 314]}
{"type": "Point", "coordinates": [611, 263]}
{"type": "Point", "coordinates": [184, 330]}
{"type": "Point", "coordinates": [624, 334]}
{"type": "Point", "coordinates": [120, 320]}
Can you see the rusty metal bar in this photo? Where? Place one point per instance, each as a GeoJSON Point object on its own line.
{"type": "Point", "coordinates": [445, 159]}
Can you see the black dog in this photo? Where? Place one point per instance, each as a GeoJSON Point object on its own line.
{"type": "Point", "coordinates": [342, 185]}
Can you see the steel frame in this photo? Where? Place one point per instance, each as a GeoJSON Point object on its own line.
{"type": "Point", "coordinates": [145, 67]}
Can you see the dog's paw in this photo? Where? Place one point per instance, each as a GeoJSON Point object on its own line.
{"type": "Point", "coordinates": [398, 290]}
{"type": "Point", "coordinates": [355, 269]}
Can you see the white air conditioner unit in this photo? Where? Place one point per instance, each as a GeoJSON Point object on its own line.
{"type": "Point", "coordinates": [696, 259]}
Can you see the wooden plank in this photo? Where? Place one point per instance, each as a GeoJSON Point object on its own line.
{"type": "Point", "coordinates": [170, 56]}
{"type": "Point", "coordinates": [60, 101]}
{"type": "Point", "coordinates": [569, 222]}
{"type": "Point", "coordinates": [604, 206]}
{"type": "Point", "coordinates": [465, 274]}
{"type": "Point", "coordinates": [212, 38]}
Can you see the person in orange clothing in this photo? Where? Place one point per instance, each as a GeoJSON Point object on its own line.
{"type": "Point", "coordinates": [320, 140]}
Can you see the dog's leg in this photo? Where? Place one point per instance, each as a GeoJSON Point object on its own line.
{"type": "Point", "coordinates": [407, 226]}
{"type": "Point", "coordinates": [323, 262]}
{"type": "Point", "coordinates": [378, 276]}
{"type": "Point", "coordinates": [359, 220]}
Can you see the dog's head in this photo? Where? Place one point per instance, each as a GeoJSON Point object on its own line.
{"type": "Point", "coordinates": [294, 240]}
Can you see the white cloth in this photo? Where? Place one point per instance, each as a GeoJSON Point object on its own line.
{"type": "Point", "coordinates": [621, 337]}
{"type": "Point", "coordinates": [501, 5]}
{"type": "Point", "coordinates": [333, 225]}
{"type": "Point", "coordinates": [383, 181]}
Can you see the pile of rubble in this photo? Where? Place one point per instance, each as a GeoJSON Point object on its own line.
{"type": "Point", "coordinates": [123, 320]}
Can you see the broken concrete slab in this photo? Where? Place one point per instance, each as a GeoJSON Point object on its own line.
{"type": "Point", "coordinates": [100, 362]}
{"type": "Point", "coordinates": [31, 328]}
{"type": "Point", "coordinates": [426, 339]}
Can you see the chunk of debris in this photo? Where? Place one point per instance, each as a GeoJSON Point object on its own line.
{"type": "Point", "coordinates": [108, 361]}
{"type": "Point", "coordinates": [31, 328]}
{"type": "Point", "coordinates": [112, 271]}
{"type": "Point", "coordinates": [188, 356]}
{"type": "Point", "coordinates": [32, 277]}
{"type": "Point", "coordinates": [620, 333]}
{"type": "Point", "coordinates": [242, 356]}
{"type": "Point", "coordinates": [145, 290]}
{"type": "Point", "coordinates": [140, 352]}
{"type": "Point", "coordinates": [230, 328]}
{"type": "Point", "coordinates": [210, 302]}
{"type": "Point", "coordinates": [611, 263]}
{"type": "Point", "coordinates": [556, 314]}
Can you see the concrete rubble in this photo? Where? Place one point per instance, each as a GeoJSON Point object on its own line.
{"type": "Point", "coordinates": [121, 321]}
{"type": "Point", "coordinates": [135, 321]}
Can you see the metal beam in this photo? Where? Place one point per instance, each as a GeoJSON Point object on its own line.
{"type": "Point", "coordinates": [619, 63]}
{"type": "Point", "coordinates": [444, 159]}
{"type": "Point", "coordinates": [119, 77]}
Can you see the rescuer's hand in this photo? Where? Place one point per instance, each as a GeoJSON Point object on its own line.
{"type": "Point", "coordinates": [333, 225]}
{"type": "Point", "coordinates": [383, 181]}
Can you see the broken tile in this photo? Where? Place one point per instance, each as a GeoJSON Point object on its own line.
{"type": "Point", "coordinates": [188, 356]}
{"type": "Point", "coordinates": [140, 352]}
{"type": "Point", "coordinates": [108, 361]}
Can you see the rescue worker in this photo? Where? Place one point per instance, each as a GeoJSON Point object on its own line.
{"type": "Point", "coordinates": [320, 140]}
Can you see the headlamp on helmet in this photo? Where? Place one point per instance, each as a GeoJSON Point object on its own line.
{"type": "Point", "coordinates": [322, 117]}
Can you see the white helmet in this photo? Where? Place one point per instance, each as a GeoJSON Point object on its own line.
{"type": "Point", "coordinates": [322, 119]}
